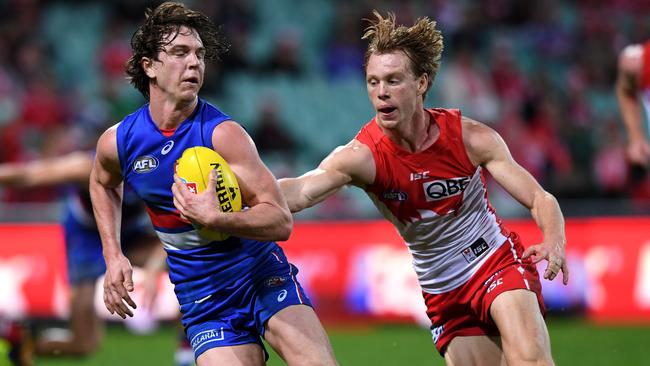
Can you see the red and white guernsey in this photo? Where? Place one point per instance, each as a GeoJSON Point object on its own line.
{"type": "Point", "coordinates": [644, 82]}
{"type": "Point", "coordinates": [437, 200]}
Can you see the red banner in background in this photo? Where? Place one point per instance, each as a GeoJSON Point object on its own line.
{"type": "Point", "coordinates": [33, 275]}
{"type": "Point", "coordinates": [609, 262]}
{"type": "Point", "coordinates": [362, 271]}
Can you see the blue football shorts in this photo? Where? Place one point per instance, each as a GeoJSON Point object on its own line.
{"type": "Point", "coordinates": [237, 313]}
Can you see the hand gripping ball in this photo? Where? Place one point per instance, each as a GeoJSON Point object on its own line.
{"type": "Point", "coordinates": [194, 167]}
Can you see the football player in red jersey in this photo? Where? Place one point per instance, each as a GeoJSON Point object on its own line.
{"type": "Point", "coordinates": [424, 170]}
{"type": "Point", "coordinates": [632, 87]}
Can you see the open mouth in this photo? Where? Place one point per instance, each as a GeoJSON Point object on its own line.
{"type": "Point", "coordinates": [193, 80]}
{"type": "Point", "coordinates": [387, 110]}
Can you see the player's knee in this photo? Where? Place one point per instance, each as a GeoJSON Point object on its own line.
{"type": "Point", "coordinates": [315, 359]}
{"type": "Point", "coordinates": [315, 355]}
{"type": "Point", "coordinates": [531, 352]}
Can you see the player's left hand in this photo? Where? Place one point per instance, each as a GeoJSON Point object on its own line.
{"type": "Point", "coordinates": [553, 252]}
{"type": "Point", "coordinates": [200, 208]}
{"type": "Point", "coordinates": [118, 282]}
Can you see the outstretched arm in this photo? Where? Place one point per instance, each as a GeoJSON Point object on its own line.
{"type": "Point", "coordinates": [630, 63]}
{"type": "Point", "coordinates": [70, 168]}
{"type": "Point", "coordinates": [486, 148]}
{"type": "Point", "coordinates": [349, 164]}
{"type": "Point", "coordinates": [106, 194]}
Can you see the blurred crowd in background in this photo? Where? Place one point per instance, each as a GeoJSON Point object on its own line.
{"type": "Point", "coordinates": [541, 72]}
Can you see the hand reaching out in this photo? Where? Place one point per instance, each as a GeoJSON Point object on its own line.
{"type": "Point", "coordinates": [554, 254]}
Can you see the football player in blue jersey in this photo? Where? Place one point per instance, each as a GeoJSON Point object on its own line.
{"type": "Point", "coordinates": [232, 292]}
{"type": "Point", "coordinates": [83, 246]}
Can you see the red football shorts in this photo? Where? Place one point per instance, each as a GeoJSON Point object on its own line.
{"type": "Point", "coordinates": [465, 311]}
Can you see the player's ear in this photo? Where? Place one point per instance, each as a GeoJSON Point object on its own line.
{"type": "Point", "coordinates": [423, 83]}
{"type": "Point", "coordinates": [147, 66]}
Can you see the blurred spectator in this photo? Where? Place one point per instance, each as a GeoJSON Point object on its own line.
{"type": "Point", "coordinates": [344, 52]}
{"type": "Point", "coordinates": [285, 58]}
{"type": "Point", "coordinates": [9, 90]}
{"type": "Point", "coordinates": [43, 108]}
{"type": "Point", "coordinates": [508, 80]}
{"type": "Point", "coordinates": [466, 83]}
{"type": "Point", "coordinates": [273, 139]}
{"type": "Point", "coordinates": [610, 168]}
{"type": "Point", "coordinates": [115, 51]}
{"type": "Point", "coordinates": [236, 18]}
{"type": "Point", "coordinates": [236, 59]}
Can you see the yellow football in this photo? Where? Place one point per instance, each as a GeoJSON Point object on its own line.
{"type": "Point", "coordinates": [194, 167]}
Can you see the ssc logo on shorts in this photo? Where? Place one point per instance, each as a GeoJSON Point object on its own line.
{"type": "Point", "coordinates": [145, 164]}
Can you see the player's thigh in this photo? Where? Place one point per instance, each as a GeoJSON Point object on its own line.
{"type": "Point", "coordinates": [523, 332]}
{"type": "Point", "coordinates": [474, 350]}
{"type": "Point", "coordinates": [240, 355]}
{"type": "Point", "coordinates": [299, 337]}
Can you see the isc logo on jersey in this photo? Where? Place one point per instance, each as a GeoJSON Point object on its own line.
{"type": "Point", "coordinates": [443, 188]}
{"type": "Point", "coordinates": [194, 167]}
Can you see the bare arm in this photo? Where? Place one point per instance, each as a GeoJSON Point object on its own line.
{"type": "Point", "coordinates": [627, 92]}
{"type": "Point", "coordinates": [486, 148]}
{"type": "Point", "coordinates": [70, 168]}
{"type": "Point", "coordinates": [267, 218]}
{"type": "Point", "coordinates": [106, 194]}
{"type": "Point", "coordinates": [349, 164]}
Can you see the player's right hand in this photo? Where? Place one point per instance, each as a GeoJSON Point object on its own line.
{"type": "Point", "coordinates": [199, 209]}
{"type": "Point", "coordinates": [118, 282]}
{"type": "Point", "coordinates": [554, 253]}
{"type": "Point", "coordinates": [638, 152]}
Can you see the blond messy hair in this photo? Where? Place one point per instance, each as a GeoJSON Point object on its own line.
{"type": "Point", "coordinates": [422, 43]}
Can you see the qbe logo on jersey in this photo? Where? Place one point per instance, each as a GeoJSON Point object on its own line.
{"type": "Point", "coordinates": [444, 188]}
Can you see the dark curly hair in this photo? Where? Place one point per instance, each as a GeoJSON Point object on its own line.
{"type": "Point", "coordinates": [152, 36]}
{"type": "Point", "coordinates": [422, 43]}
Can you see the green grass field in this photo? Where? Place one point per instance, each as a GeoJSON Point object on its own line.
{"type": "Point", "coordinates": [574, 342]}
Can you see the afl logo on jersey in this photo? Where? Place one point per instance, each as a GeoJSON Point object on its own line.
{"type": "Point", "coordinates": [145, 164]}
{"type": "Point", "coordinates": [441, 189]}
{"type": "Point", "coordinates": [168, 146]}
